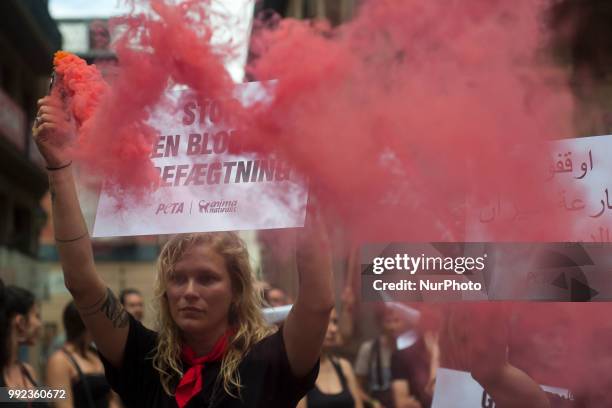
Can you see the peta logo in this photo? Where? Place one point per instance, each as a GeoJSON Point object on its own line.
{"type": "Point", "coordinates": [170, 208]}
{"type": "Point", "coordinates": [219, 206]}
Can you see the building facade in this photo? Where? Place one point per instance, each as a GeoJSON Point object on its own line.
{"type": "Point", "coordinates": [28, 39]}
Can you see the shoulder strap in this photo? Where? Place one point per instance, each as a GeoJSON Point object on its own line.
{"type": "Point", "coordinates": [82, 378]}
{"type": "Point", "coordinates": [340, 373]}
{"type": "Point", "coordinates": [26, 373]}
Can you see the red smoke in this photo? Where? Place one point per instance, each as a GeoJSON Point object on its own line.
{"type": "Point", "coordinates": [401, 114]}
{"type": "Point", "coordinates": [106, 148]}
{"type": "Point", "coordinates": [115, 140]}
{"type": "Point", "coordinates": [564, 345]}
{"type": "Point", "coordinates": [402, 118]}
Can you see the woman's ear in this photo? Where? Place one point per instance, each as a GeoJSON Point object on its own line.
{"type": "Point", "coordinates": [20, 323]}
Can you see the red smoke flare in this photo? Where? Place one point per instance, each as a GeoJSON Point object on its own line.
{"type": "Point", "coordinates": [104, 150]}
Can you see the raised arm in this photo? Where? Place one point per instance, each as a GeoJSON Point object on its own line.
{"type": "Point", "coordinates": [511, 388]}
{"type": "Point", "coordinates": [101, 311]}
{"type": "Point", "coordinates": [475, 339]}
{"type": "Point", "coordinates": [307, 322]}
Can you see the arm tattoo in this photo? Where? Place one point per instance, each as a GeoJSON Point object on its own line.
{"type": "Point", "coordinates": [112, 309]}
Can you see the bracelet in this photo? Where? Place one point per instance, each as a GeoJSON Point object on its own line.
{"type": "Point", "coordinates": [59, 167]}
{"type": "Point", "coordinates": [71, 240]}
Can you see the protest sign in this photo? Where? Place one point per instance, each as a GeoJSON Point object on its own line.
{"type": "Point", "coordinates": [580, 175]}
{"type": "Point", "coordinates": [204, 184]}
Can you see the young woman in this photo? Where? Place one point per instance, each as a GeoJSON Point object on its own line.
{"type": "Point", "coordinates": [213, 348]}
{"type": "Point", "coordinates": [336, 385]}
{"type": "Point", "coordinates": [77, 368]}
{"type": "Point", "coordinates": [22, 328]}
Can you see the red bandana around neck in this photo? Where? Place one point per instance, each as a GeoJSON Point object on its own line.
{"type": "Point", "coordinates": [191, 383]}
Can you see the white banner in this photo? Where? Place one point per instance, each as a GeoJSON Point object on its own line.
{"type": "Point", "coordinates": [580, 173]}
{"type": "Point", "coordinates": [205, 185]}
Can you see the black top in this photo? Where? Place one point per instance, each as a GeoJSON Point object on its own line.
{"type": "Point", "coordinates": [265, 375]}
{"type": "Point", "coordinates": [94, 384]}
{"type": "Point", "coordinates": [88, 390]}
{"type": "Point", "coordinates": [343, 399]}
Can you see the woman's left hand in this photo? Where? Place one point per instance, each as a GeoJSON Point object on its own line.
{"type": "Point", "coordinates": [53, 131]}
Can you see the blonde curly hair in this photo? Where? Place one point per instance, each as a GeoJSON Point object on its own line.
{"type": "Point", "coordinates": [245, 315]}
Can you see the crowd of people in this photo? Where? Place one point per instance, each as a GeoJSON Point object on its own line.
{"type": "Point", "coordinates": [396, 367]}
{"type": "Point", "coordinates": [214, 345]}
{"type": "Point", "coordinates": [510, 350]}
{"type": "Point", "coordinates": [76, 366]}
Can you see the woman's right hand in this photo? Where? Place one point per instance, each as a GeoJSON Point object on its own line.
{"type": "Point", "coordinates": [53, 131]}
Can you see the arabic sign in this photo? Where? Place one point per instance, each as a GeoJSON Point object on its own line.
{"type": "Point", "coordinates": [204, 187]}
{"type": "Point", "coordinates": [580, 173]}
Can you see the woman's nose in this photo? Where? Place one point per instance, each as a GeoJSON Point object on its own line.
{"type": "Point", "coordinates": [191, 288]}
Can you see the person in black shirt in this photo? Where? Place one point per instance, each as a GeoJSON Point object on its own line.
{"type": "Point", "coordinates": [336, 386]}
{"type": "Point", "coordinates": [76, 368]}
{"type": "Point", "coordinates": [213, 348]}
